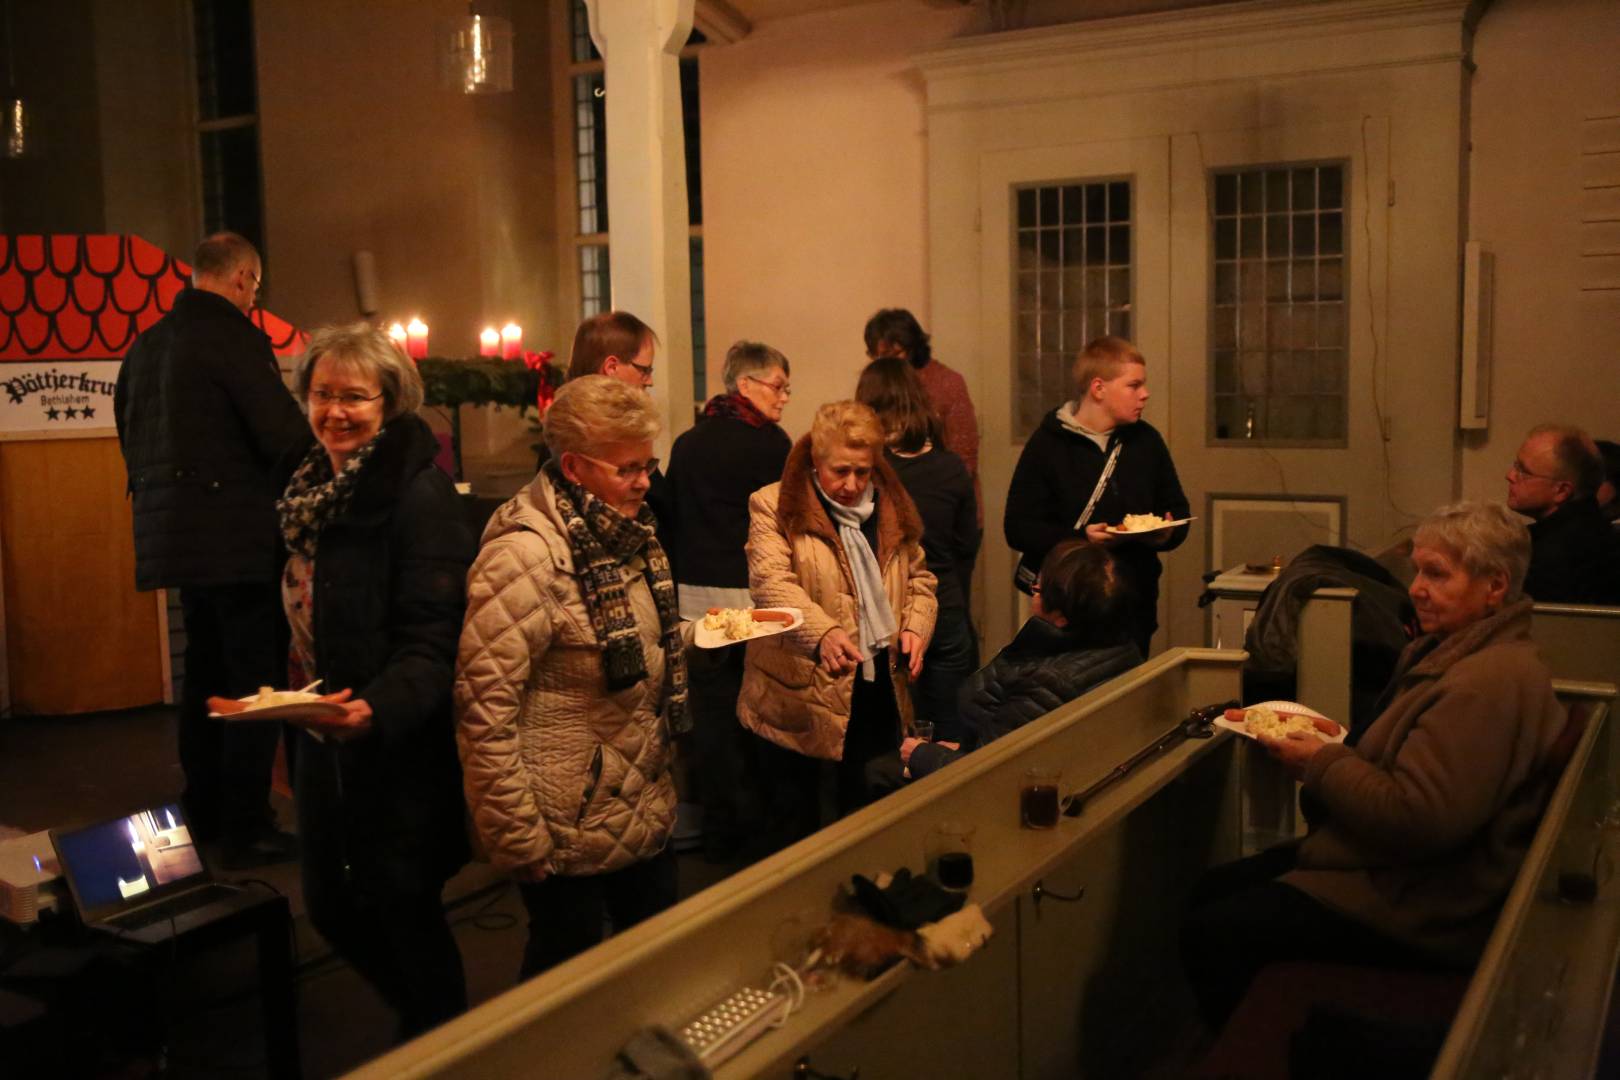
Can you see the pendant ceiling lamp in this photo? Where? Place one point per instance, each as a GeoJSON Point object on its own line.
{"type": "Point", "coordinates": [16, 116]}
{"type": "Point", "coordinates": [475, 54]}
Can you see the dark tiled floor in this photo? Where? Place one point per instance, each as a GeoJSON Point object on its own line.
{"type": "Point", "coordinates": [61, 770]}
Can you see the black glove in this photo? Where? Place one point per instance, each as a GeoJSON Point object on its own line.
{"type": "Point", "coordinates": [908, 902]}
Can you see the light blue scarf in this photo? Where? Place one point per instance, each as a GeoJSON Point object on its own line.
{"type": "Point", "coordinates": [877, 628]}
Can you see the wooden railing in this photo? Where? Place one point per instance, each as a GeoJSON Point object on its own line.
{"type": "Point", "coordinates": [1062, 988]}
{"type": "Point", "coordinates": [1081, 978]}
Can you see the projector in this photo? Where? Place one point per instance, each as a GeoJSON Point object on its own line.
{"type": "Point", "coordinates": [28, 870]}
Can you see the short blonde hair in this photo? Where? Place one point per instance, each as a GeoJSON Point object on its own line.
{"type": "Point", "coordinates": [594, 410]}
{"type": "Point", "coordinates": [1484, 537]}
{"type": "Point", "coordinates": [844, 423]}
{"type": "Point", "coordinates": [1104, 358]}
{"type": "Point", "coordinates": [363, 349]}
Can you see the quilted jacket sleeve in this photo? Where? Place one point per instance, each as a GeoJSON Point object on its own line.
{"type": "Point", "coordinates": [508, 625]}
{"type": "Point", "coordinates": [921, 605]}
{"type": "Point", "coordinates": [771, 578]}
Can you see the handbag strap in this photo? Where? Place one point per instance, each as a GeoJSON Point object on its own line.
{"type": "Point", "coordinates": [1096, 492]}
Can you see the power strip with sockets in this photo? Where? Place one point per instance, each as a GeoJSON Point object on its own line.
{"type": "Point", "coordinates": [732, 1024]}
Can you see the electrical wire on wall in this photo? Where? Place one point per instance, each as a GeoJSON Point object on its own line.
{"type": "Point", "coordinates": [1314, 524]}
{"type": "Point", "coordinates": [1376, 358]}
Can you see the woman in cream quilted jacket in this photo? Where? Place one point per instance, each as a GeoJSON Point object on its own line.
{"type": "Point", "coordinates": [571, 678]}
{"type": "Point", "coordinates": [838, 538]}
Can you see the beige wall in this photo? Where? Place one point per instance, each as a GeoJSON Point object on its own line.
{"type": "Point", "coordinates": [454, 195]}
{"type": "Point", "coordinates": [1544, 67]}
{"type": "Point", "coordinates": [814, 205]}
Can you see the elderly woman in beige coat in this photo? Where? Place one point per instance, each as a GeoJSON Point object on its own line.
{"type": "Point", "coordinates": [1419, 822]}
{"type": "Point", "coordinates": [839, 539]}
{"type": "Point", "coordinates": [571, 680]}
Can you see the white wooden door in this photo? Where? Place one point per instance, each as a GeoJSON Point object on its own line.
{"type": "Point", "coordinates": [1254, 497]}
{"type": "Point", "coordinates": [1277, 493]}
{"type": "Point", "coordinates": [1142, 164]}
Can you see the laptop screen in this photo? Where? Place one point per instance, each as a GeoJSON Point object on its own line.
{"type": "Point", "coordinates": [128, 860]}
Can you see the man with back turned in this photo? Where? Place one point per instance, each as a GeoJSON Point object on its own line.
{"type": "Point", "coordinates": [203, 418]}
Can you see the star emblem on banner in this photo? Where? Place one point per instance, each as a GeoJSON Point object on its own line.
{"type": "Point", "coordinates": [53, 414]}
{"type": "Point", "coordinates": [72, 412]}
{"type": "Point", "coordinates": [87, 412]}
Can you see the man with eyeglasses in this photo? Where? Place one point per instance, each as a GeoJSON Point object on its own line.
{"type": "Point", "coordinates": [619, 345]}
{"type": "Point", "coordinates": [1574, 555]}
{"type": "Point", "coordinates": [203, 417]}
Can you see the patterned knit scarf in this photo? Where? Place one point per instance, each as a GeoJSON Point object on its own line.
{"type": "Point", "coordinates": [315, 497]}
{"type": "Point", "coordinates": [603, 541]}
{"type": "Point", "coordinates": [735, 407]}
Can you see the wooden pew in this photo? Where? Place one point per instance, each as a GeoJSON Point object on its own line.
{"type": "Point", "coordinates": [1063, 988]}
{"type": "Point", "coordinates": [1538, 1001]}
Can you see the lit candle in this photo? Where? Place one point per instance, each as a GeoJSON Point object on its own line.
{"type": "Point", "coordinates": [416, 339]}
{"type": "Point", "coordinates": [511, 341]}
{"type": "Point", "coordinates": [396, 334]}
{"type": "Point", "coordinates": [489, 342]}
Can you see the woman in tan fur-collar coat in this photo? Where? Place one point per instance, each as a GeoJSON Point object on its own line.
{"type": "Point", "coordinates": [839, 539]}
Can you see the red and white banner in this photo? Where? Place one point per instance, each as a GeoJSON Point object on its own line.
{"type": "Point", "coordinates": [70, 307]}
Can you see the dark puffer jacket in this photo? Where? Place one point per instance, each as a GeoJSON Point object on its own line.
{"type": "Point", "coordinates": [390, 592]}
{"type": "Point", "coordinates": [203, 418]}
{"type": "Point", "coordinates": [1381, 625]}
{"type": "Point", "coordinates": [1042, 668]}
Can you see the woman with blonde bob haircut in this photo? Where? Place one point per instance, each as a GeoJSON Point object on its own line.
{"type": "Point", "coordinates": [1420, 821]}
{"type": "Point", "coordinates": [572, 680]}
{"type": "Point", "coordinates": [839, 539]}
{"type": "Point", "coordinates": [373, 588]}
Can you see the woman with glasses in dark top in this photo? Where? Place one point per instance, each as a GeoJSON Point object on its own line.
{"type": "Point", "coordinates": [373, 588]}
{"type": "Point", "coordinates": [939, 484]}
{"type": "Point", "coordinates": [736, 447]}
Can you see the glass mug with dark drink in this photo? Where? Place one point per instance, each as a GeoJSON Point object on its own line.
{"type": "Point", "coordinates": [949, 853]}
{"type": "Point", "coordinates": [1038, 798]}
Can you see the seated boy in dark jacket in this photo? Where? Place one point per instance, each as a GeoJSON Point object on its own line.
{"type": "Point", "coordinates": [1078, 635]}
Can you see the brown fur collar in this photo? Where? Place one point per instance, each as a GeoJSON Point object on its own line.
{"type": "Point", "coordinates": [800, 511]}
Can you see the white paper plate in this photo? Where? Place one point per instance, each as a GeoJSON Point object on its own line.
{"type": "Point", "coordinates": [1114, 530]}
{"type": "Point", "coordinates": [705, 638]}
{"type": "Point", "coordinates": [311, 707]}
{"type": "Point", "coordinates": [1282, 707]}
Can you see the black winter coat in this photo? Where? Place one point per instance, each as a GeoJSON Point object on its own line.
{"type": "Point", "coordinates": [714, 467]}
{"type": "Point", "coordinates": [1574, 557]}
{"type": "Point", "coordinates": [1054, 478]}
{"type": "Point", "coordinates": [1042, 668]}
{"type": "Point", "coordinates": [939, 484]}
{"type": "Point", "coordinates": [389, 595]}
{"type": "Point", "coordinates": [203, 418]}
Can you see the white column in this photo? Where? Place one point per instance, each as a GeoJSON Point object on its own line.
{"type": "Point", "coordinates": [640, 42]}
